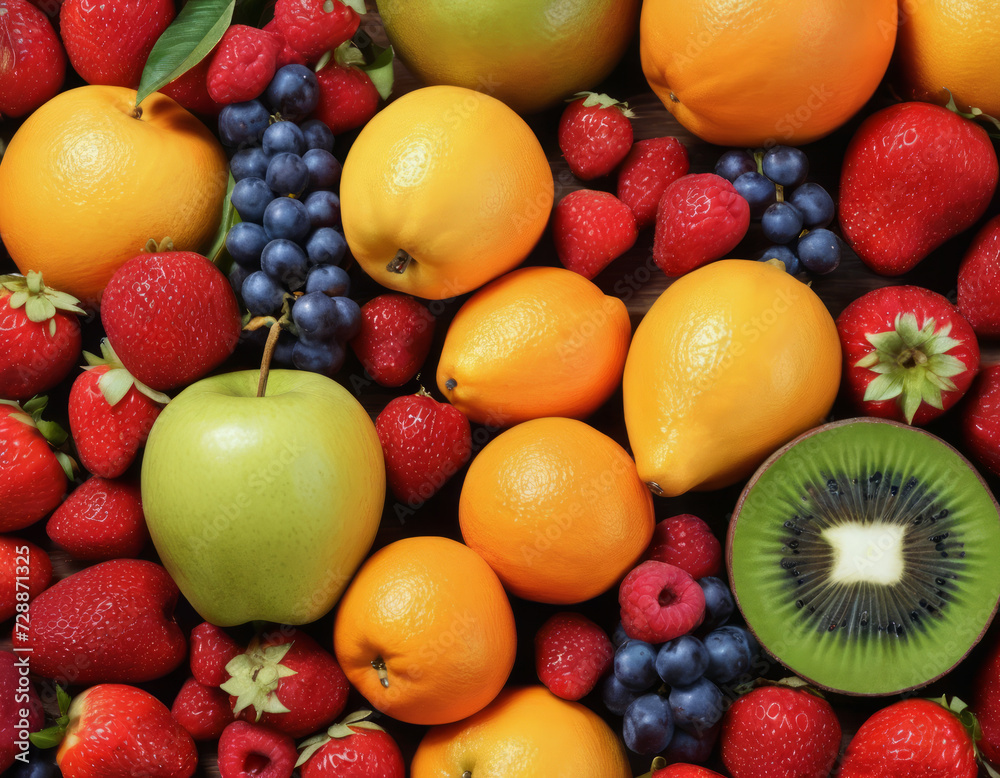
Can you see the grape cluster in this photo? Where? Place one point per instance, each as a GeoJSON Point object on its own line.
{"type": "Point", "coordinates": [289, 247]}
{"type": "Point", "coordinates": [669, 695]}
{"type": "Point", "coordinates": [793, 212]}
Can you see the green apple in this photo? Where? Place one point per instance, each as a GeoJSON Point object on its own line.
{"type": "Point", "coordinates": [262, 508]}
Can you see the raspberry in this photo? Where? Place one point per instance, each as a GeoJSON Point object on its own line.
{"type": "Point", "coordinates": [649, 168]}
{"type": "Point", "coordinates": [660, 602]}
{"type": "Point", "coordinates": [204, 711]}
{"type": "Point", "coordinates": [687, 542]}
{"type": "Point", "coordinates": [211, 650]}
{"type": "Point", "coordinates": [591, 229]}
{"type": "Point", "coordinates": [700, 218]}
{"type": "Point", "coordinates": [571, 655]}
{"type": "Point", "coordinates": [313, 27]}
{"type": "Point", "coordinates": [243, 64]}
{"type": "Point", "coordinates": [288, 55]}
{"type": "Point", "coordinates": [255, 750]}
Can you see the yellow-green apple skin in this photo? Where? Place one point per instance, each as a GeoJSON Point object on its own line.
{"type": "Point", "coordinates": [262, 508]}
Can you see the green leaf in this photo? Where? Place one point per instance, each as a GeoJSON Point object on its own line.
{"type": "Point", "coordinates": [47, 738]}
{"type": "Point", "coordinates": [885, 387]}
{"type": "Point", "coordinates": [114, 385]}
{"type": "Point", "coordinates": [191, 36]}
{"type": "Point", "coordinates": [217, 253]}
{"type": "Point", "coordinates": [357, 5]}
{"type": "Point", "coordinates": [380, 71]}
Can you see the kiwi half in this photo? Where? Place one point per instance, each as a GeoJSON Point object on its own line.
{"type": "Point", "coordinates": [865, 556]}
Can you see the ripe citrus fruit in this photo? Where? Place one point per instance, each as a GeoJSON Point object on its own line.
{"type": "Point", "coordinates": [525, 733]}
{"type": "Point", "coordinates": [88, 179]}
{"type": "Point", "coordinates": [950, 44]}
{"type": "Point", "coordinates": [527, 53]}
{"type": "Point", "coordinates": [540, 341]}
{"type": "Point", "coordinates": [749, 73]}
{"type": "Point", "coordinates": [425, 631]}
{"type": "Point", "coordinates": [444, 190]}
{"type": "Point", "coordinates": [557, 509]}
{"type": "Point", "coordinates": [731, 361]}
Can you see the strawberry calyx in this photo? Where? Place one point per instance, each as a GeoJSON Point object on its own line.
{"type": "Point", "coordinates": [968, 720]}
{"type": "Point", "coordinates": [116, 382]}
{"type": "Point", "coordinates": [591, 99]}
{"type": "Point", "coordinates": [254, 678]}
{"type": "Point", "coordinates": [912, 363]}
{"type": "Point", "coordinates": [154, 246]}
{"type": "Point", "coordinates": [52, 736]}
{"type": "Point", "coordinates": [973, 112]}
{"type": "Point", "coordinates": [658, 763]}
{"type": "Point", "coordinates": [375, 61]}
{"type": "Point", "coordinates": [342, 729]}
{"type": "Point", "coordinates": [40, 302]}
{"type": "Point", "coordinates": [31, 414]}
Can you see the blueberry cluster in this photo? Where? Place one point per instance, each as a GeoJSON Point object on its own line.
{"type": "Point", "coordinates": [793, 213]}
{"type": "Point", "coordinates": [669, 695]}
{"type": "Point", "coordinates": [289, 247]}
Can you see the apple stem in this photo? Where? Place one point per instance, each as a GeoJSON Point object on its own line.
{"type": "Point", "coordinates": [265, 362]}
{"type": "Point", "coordinates": [399, 263]}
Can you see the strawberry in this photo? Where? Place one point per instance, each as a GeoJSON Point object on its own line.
{"type": "Point", "coordinates": [571, 655]}
{"type": "Point", "coordinates": [425, 442]}
{"type": "Point", "coordinates": [243, 64]}
{"type": "Point", "coordinates": [347, 97]}
{"type": "Point", "coordinates": [781, 732]}
{"type": "Point", "coordinates": [659, 602]}
{"type": "Point", "coordinates": [211, 650]}
{"type": "Point", "coordinates": [914, 175]}
{"type": "Point", "coordinates": [395, 338]}
{"type": "Point", "coordinates": [204, 711]}
{"type": "Point", "coordinates": [595, 134]}
{"type": "Point", "coordinates": [353, 748]}
{"type": "Point", "coordinates": [25, 572]}
{"type": "Point", "coordinates": [979, 281]}
{"type": "Point", "coordinates": [118, 731]}
{"type": "Point", "coordinates": [681, 770]}
{"type": "Point", "coordinates": [288, 55]}
{"type": "Point", "coordinates": [699, 219]}
{"type": "Point", "coordinates": [314, 27]}
{"type": "Point", "coordinates": [591, 229]}
{"type": "Point", "coordinates": [33, 478]}
{"type": "Point", "coordinates": [110, 622]}
{"type": "Point", "coordinates": [981, 419]}
{"type": "Point", "coordinates": [648, 169]}
{"type": "Point", "coordinates": [109, 42]}
{"type": "Point", "coordinates": [687, 542]}
{"type": "Point", "coordinates": [909, 354]}
{"type": "Point", "coordinates": [247, 750]}
{"type": "Point", "coordinates": [101, 519]}
{"type": "Point", "coordinates": [35, 62]}
{"type": "Point", "coordinates": [190, 89]}
{"type": "Point", "coordinates": [171, 317]}
{"type": "Point", "coordinates": [286, 681]}
{"type": "Point", "coordinates": [110, 414]}
{"type": "Point", "coordinates": [986, 702]}
{"type": "Point", "coordinates": [41, 336]}
{"type": "Point", "coordinates": [20, 708]}
{"type": "Point", "coordinates": [914, 737]}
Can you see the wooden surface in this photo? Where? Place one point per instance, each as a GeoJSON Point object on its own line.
{"type": "Point", "coordinates": [638, 282]}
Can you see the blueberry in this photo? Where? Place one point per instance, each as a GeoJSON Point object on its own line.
{"type": "Point", "coordinates": [326, 246]}
{"type": "Point", "coordinates": [283, 348]}
{"type": "Point", "coordinates": [293, 92]}
{"type": "Point", "coordinates": [261, 294]}
{"type": "Point", "coordinates": [330, 280]}
{"type": "Point", "coordinates": [249, 163]}
{"type": "Point", "coordinates": [250, 197]}
{"type": "Point", "coordinates": [243, 124]}
{"type": "Point", "coordinates": [317, 135]}
{"type": "Point", "coordinates": [719, 603]}
{"type": "Point", "coordinates": [244, 242]}
{"type": "Point", "coordinates": [287, 174]}
{"type": "Point", "coordinates": [819, 251]}
{"type": "Point", "coordinates": [286, 217]}
{"type": "Point", "coordinates": [323, 358]}
{"type": "Point", "coordinates": [698, 706]}
{"type": "Point", "coordinates": [635, 665]}
{"type": "Point", "coordinates": [619, 636]}
{"type": "Point", "coordinates": [324, 169]}
{"type": "Point", "coordinates": [785, 255]}
{"type": "Point", "coordinates": [648, 725]}
{"type": "Point", "coordinates": [814, 203]}
{"type": "Point", "coordinates": [730, 653]}
{"type": "Point", "coordinates": [785, 165]}
{"type": "Point", "coordinates": [734, 163]}
{"type": "Point", "coordinates": [781, 222]}
{"type": "Point", "coordinates": [237, 275]}
{"type": "Point", "coordinates": [283, 138]}
{"type": "Point", "coordinates": [691, 748]}
{"type": "Point", "coordinates": [758, 191]}
{"type": "Point", "coordinates": [616, 696]}
{"type": "Point", "coordinates": [286, 263]}
{"type": "Point", "coordinates": [40, 763]}
{"type": "Point", "coordinates": [315, 316]}
{"type": "Point", "coordinates": [323, 208]}
{"type": "Point", "coordinates": [682, 661]}
{"type": "Point", "coordinates": [349, 319]}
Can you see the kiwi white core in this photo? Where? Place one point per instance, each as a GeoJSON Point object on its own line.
{"type": "Point", "coordinates": [866, 553]}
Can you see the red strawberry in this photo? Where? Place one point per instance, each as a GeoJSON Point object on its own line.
{"type": "Point", "coordinates": [780, 732]}
{"type": "Point", "coordinates": [914, 175]}
{"type": "Point", "coordinates": [286, 681]}
{"type": "Point", "coordinates": [288, 55]}
{"type": "Point", "coordinates": [34, 59]}
{"type": "Point", "coordinates": [243, 64]}
{"type": "Point", "coordinates": [190, 89]}
{"type": "Point", "coordinates": [425, 442]}
{"type": "Point", "coordinates": [700, 218]}
{"type": "Point", "coordinates": [395, 338]}
{"type": "Point", "coordinates": [687, 542]}
{"type": "Point", "coordinates": [979, 281]}
{"type": "Point", "coordinates": [204, 711]}
{"type": "Point", "coordinates": [25, 572]}
{"type": "Point", "coordinates": [171, 317]}
{"type": "Point", "coordinates": [591, 229]}
{"type": "Point", "coordinates": [49, 7]}
{"type": "Point", "coordinates": [118, 731]}
{"type": "Point", "coordinates": [108, 42]}
{"type": "Point", "coordinates": [660, 602]}
{"type": "Point", "coordinates": [33, 478]}
{"type": "Point", "coordinates": [595, 134]}
{"type": "Point", "coordinates": [347, 97]}
{"type": "Point", "coordinates": [914, 737]}
{"type": "Point", "coordinates": [20, 709]}
{"type": "Point", "coordinates": [981, 419]}
{"type": "Point", "coordinates": [314, 27]}
{"type": "Point", "coordinates": [679, 770]}
{"type": "Point", "coordinates": [211, 650]}
{"type": "Point", "coordinates": [353, 748]}
{"type": "Point", "coordinates": [110, 414]}
{"type": "Point", "coordinates": [110, 622]}
{"type": "Point", "coordinates": [41, 336]}
{"type": "Point", "coordinates": [101, 519]}
{"type": "Point", "coordinates": [650, 167]}
{"type": "Point", "coordinates": [909, 354]}
{"type": "Point", "coordinates": [986, 701]}
{"type": "Point", "coordinates": [247, 750]}
{"type": "Point", "coordinates": [571, 655]}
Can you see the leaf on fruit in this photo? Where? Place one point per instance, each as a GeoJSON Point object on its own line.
{"type": "Point", "coordinates": [217, 253]}
{"type": "Point", "coordinates": [380, 70]}
{"type": "Point", "coordinates": [185, 43]}
{"type": "Point", "coordinates": [254, 676]}
{"type": "Point", "coordinates": [357, 5]}
{"type": "Point", "coordinates": [341, 729]}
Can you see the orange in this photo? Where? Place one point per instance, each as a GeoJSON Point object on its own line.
{"type": "Point", "coordinates": [733, 360]}
{"type": "Point", "coordinates": [87, 180]}
{"type": "Point", "coordinates": [557, 509]}
{"type": "Point", "coordinates": [950, 44]}
{"type": "Point", "coordinates": [529, 54]}
{"type": "Point", "coordinates": [540, 341]}
{"type": "Point", "coordinates": [444, 190]}
{"type": "Point", "coordinates": [760, 72]}
{"type": "Point", "coordinates": [425, 631]}
{"type": "Point", "coordinates": [525, 733]}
